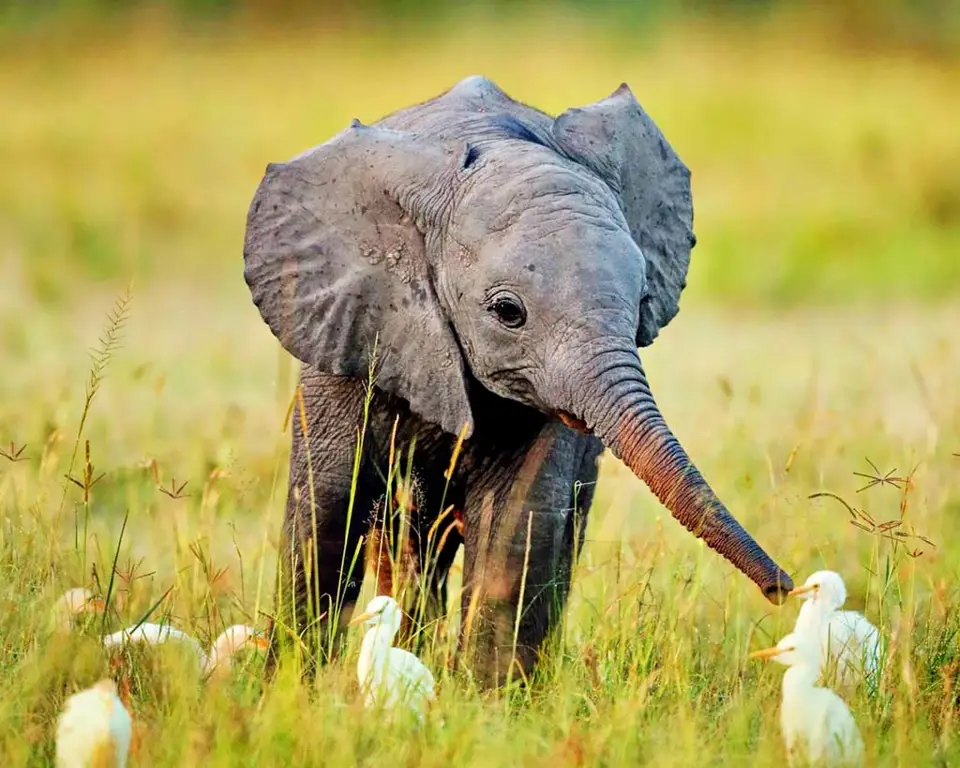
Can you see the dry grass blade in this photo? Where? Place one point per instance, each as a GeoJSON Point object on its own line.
{"type": "Point", "coordinates": [856, 514]}
{"type": "Point", "coordinates": [13, 453]}
{"type": "Point", "coordinates": [878, 478]}
{"type": "Point", "coordinates": [99, 359]}
{"type": "Point", "coordinates": [174, 491]}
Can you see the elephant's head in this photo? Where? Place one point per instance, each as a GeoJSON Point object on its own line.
{"type": "Point", "coordinates": [475, 236]}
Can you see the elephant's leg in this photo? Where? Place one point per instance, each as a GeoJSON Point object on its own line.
{"type": "Point", "coordinates": [520, 530]}
{"type": "Point", "coordinates": [581, 500]}
{"type": "Point", "coordinates": [320, 568]}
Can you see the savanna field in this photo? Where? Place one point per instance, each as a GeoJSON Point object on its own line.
{"type": "Point", "coordinates": [819, 337]}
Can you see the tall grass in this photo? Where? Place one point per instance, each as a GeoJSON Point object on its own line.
{"type": "Point", "coordinates": [652, 664]}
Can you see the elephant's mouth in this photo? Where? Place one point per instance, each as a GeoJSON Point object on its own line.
{"type": "Point", "coordinates": [574, 423]}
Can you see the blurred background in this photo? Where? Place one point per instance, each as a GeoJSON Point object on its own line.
{"type": "Point", "coordinates": [823, 143]}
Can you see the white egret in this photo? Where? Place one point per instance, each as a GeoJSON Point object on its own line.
{"type": "Point", "coordinates": [816, 723]}
{"type": "Point", "coordinates": [94, 729]}
{"type": "Point", "coordinates": [230, 642]}
{"type": "Point", "coordinates": [74, 602]}
{"type": "Point", "coordinates": [389, 676]}
{"type": "Point", "coordinates": [220, 658]}
{"type": "Point", "coordinates": [155, 634]}
{"type": "Point", "coordinates": [850, 643]}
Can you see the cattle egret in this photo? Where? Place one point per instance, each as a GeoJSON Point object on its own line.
{"type": "Point", "coordinates": [850, 643]}
{"type": "Point", "coordinates": [388, 675]}
{"type": "Point", "coordinates": [155, 634]}
{"type": "Point", "coordinates": [230, 642]}
{"type": "Point", "coordinates": [220, 658]}
{"type": "Point", "coordinates": [816, 723]}
{"type": "Point", "coordinates": [94, 729]}
{"type": "Point", "coordinates": [74, 602]}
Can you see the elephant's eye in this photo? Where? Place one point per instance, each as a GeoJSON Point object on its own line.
{"type": "Point", "coordinates": [508, 309]}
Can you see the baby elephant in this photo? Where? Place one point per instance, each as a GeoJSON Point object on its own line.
{"type": "Point", "coordinates": [496, 269]}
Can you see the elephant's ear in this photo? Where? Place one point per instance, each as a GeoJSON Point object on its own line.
{"type": "Point", "coordinates": [335, 260]}
{"type": "Point", "coordinates": [617, 140]}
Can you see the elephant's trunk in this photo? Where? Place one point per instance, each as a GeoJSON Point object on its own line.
{"type": "Point", "coordinates": [621, 410]}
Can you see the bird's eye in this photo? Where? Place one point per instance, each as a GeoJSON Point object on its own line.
{"type": "Point", "coordinates": [508, 309]}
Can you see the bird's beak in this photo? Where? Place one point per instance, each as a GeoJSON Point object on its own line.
{"type": "Point", "coordinates": [96, 604]}
{"type": "Point", "coordinates": [768, 653]}
{"type": "Point", "coordinates": [260, 643]}
{"type": "Point", "coordinates": [362, 618]}
{"type": "Point", "coordinates": [802, 590]}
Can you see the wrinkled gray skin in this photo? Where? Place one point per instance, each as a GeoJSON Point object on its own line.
{"type": "Point", "coordinates": [511, 264]}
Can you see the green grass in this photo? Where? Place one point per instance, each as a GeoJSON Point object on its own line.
{"type": "Point", "coordinates": [823, 180]}
{"type": "Point", "coordinates": [658, 628]}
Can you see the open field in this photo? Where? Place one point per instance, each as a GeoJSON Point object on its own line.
{"type": "Point", "coordinates": [819, 179]}
{"type": "Point", "coordinates": [658, 627]}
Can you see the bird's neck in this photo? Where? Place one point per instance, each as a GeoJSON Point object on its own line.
{"type": "Point", "coordinates": [799, 679]}
{"type": "Point", "coordinates": [375, 645]}
{"type": "Point", "coordinates": [378, 637]}
{"type": "Point", "coordinates": [809, 616]}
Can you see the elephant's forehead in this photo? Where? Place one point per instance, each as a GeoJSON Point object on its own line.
{"type": "Point", "coordinates": [581, 265]}
{"type": "Point", "coordinates": [532, 183]}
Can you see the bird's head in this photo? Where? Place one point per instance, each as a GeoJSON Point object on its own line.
{"type": "Point", "coordinates": [233, 640]}
{"type": "Point", "coordinates": [824, 586]}
{"type": "Point", "coordinates": [107, 687]}
{"type": "Point", "coordinates": [383, 610]}
{"type": "Point", "coordinates": [75, 603]}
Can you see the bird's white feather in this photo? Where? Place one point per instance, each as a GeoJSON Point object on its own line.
{"type": "Point", "coordinates": [389, 676]}
{"type": "Point", "coordinates": [817, 725]}
{"type": "Point", "coordinates": [850, 644]}
{"type": "Point", "coordinates": [155, 634]}
{"type": "Point", "coordinates": [229, 642]}
{"type": "Point", "coordinates": [94, 729]}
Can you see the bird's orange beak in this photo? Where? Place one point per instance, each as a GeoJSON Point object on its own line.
{"type": "Point", "coordinates": [260, 643]}
{"type": "Point", "coordinates": [361, 618]}
{"type": "Point", "coordinates": [802, 590]}
{"type": "Point", "coordinates": [768, 653]}
{"type": "Point", "coordinates": [96, 604]}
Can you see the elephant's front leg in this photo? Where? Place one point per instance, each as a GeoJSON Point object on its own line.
{"type": "Point", "coordinates": [320, 564]}
{"type": "Point", "coordinates": [521, 522]}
